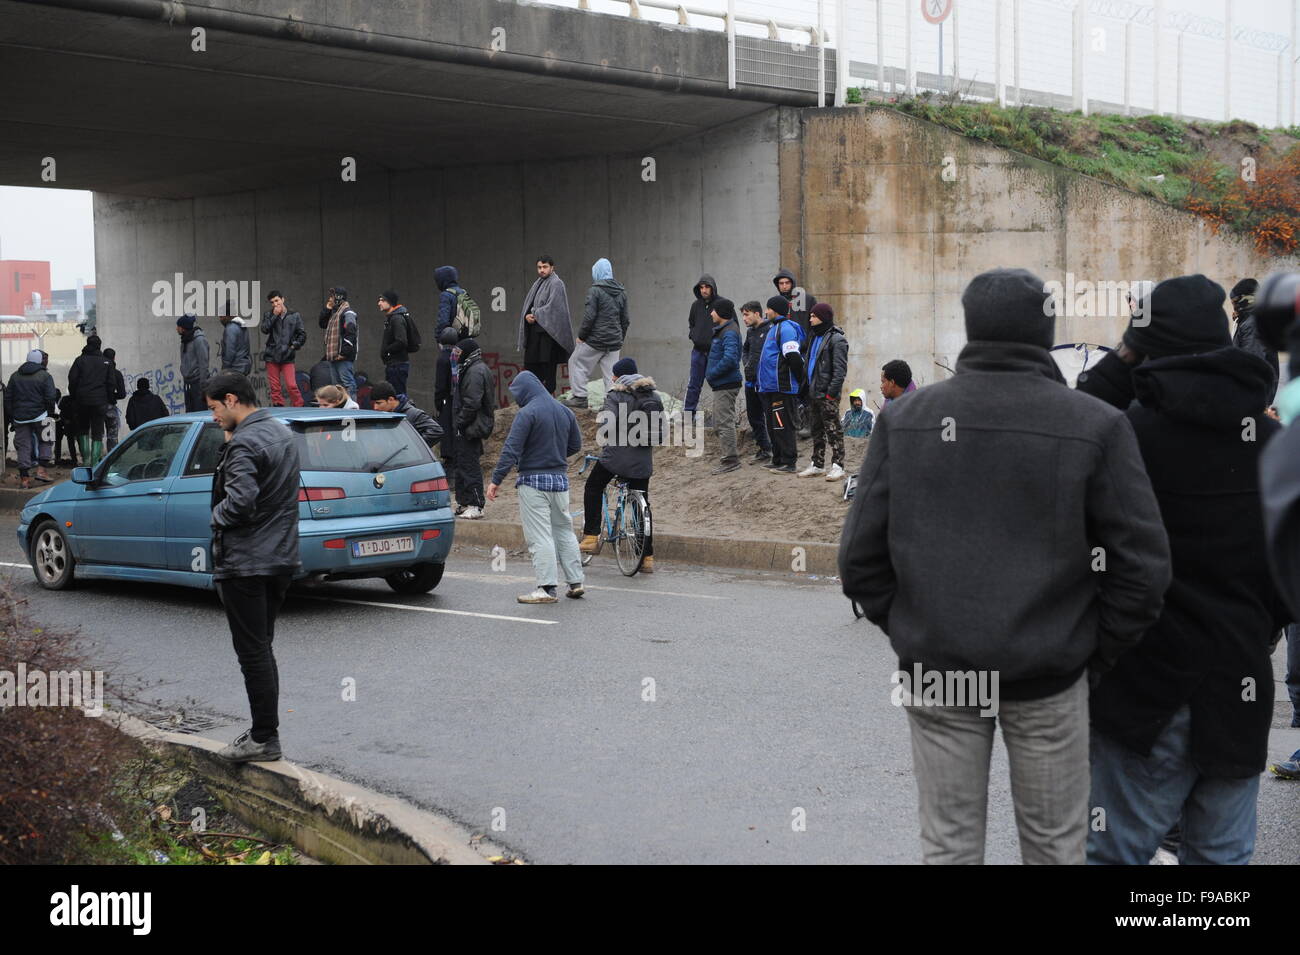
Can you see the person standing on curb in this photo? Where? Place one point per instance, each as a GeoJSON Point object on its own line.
{"type": "Point", "coordinates": [1031, 625]}
{"type": "Point", "coordinates": [699, 324]}
{"type": "Point", "coordinates": [285, 334]}
{"type": "Point", "coordinates": [604, 328]}
{"type": "Point", "coordinates": [475, 416]}
{"type": "Point", "coordinates": [254, 547]}
{"type": "Point", "coordinates": [341, 337]}
{"type": "Point", "coordinates": [194, 360]}
{"type": "Point", "coordinates": [542, 438]}
{"type": "Point", "coordinates": [112, 414]}
{"type": "Point", "coordinates": [827, 353]}
{"type": "Point", "coordinates": [545, 329]}
{"type": "Point", "coordinates": [723, 376]}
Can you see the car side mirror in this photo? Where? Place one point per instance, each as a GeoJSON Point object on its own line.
{"type": "Point", "coordinates": [82, 476]}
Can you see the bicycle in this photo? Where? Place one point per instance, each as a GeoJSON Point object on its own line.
{"type": "Point", "coordinates": [625, 523]}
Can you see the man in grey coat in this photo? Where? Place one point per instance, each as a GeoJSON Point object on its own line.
{"type": "Point", "coordinates": [194, 360]}
{"type": "Point", "coordinates": [1005, 536]}
{"type": "Point", "coordinates": [545, 329]}
{"type": "Point", "coordinates": [236, 355]}
{"type": "Point", "coordinates": [254, 546]}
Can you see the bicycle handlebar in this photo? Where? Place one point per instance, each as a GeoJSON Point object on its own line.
{"type": "Point", "coordinates": [587, 459]}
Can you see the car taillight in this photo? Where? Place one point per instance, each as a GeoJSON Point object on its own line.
{"type": "Point", "coordinates": [320, 493]}
{"type": "Point", "coordinates": [337, 543]}
{"type": "Point", "coordinates": [423, 487]}
{"type": "Point", "coordinates": [430, 535]}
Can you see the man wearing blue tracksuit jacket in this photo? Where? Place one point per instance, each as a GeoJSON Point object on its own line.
{"type": "Point", "coordinates": [780, 373]}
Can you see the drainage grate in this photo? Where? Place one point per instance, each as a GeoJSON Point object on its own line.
{"type": "Point", "coordinates": [189, 720]}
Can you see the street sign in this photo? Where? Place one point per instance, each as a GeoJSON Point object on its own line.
{"type": "Point", "coordinates": [936, 11]}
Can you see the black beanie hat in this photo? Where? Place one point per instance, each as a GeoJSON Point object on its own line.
{"type": "Point", "coordinates": [448, 337]}
{"type": "Point", "coordinates": [467, 345]}
{"type": "Point", "coordinates": [624, 366]}
{"type": "Point", "coordinates": [142, 384]}
{"type": "Point", "coordinates": [1244, 287]}
{"type": "Point", "coordinates": [1182, 316]}
{"type": "Point", "coordinates": [390, 296]}
{"type": "Point", "coordinates": [1009, 305]}
{"type": "Point", "coordinates": [725, 308]}
{"type": "Point", "coordinates": [779, 304]}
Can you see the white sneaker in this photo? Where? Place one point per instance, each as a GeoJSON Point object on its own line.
{"type": "Point", "coordinates": [538, 596]}
{"type": "Point", "coordinates": [471, 513]}
{"type": "Point", "coordinates": [836, 473]}
{"type": "Point", "coordinates": [812, 471]}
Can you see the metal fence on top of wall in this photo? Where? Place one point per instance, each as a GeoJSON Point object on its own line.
{"type": "Point", "coordinates": [1166, 56]}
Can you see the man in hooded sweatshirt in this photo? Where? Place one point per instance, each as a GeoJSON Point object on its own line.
{"type": "Point", "coordinates": [699, 324]}
{"type": "Point", "coordinates": [475, 416]}
{"type": "Point", "coordinates": [826, 355]}
{"type": "Point", "coordinates": [144, 405]}
{"type": "Point", "coordinates": [601, 335]}
{"type": "Point", "coordinates": [545, 329]}
{"type": "Point", "coordinates": [801, 304]}
{"type": "Point", "coordinates": [30, 399]}
{"type": "Point", "coordinates": [194, 361]}
{"type": "Point", "coordinates": [393, 348]}
{"type": "Point", "coordinates": [91, 383]}
{"type": "Point", "coordinates": [542, 438]}
{"type": "Point", "coordinates": [1181, 724]}
{"type": "Point", "coordinates": [448, 279]}
{"type": "Point", "coordinates": [236, 355]}
{"type": "Point", "coordinates": [973, 541]}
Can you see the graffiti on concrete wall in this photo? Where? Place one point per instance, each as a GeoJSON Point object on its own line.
{"type": "Point", "coordinates": [505, 371]}
{"type": "Point", "coordinates": [165, 382]}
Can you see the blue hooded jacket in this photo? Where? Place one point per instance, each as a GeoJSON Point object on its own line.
{"type": "Point", "coordinates": [544, 433]}
{"type": "Point", "coordinates": [448, 280]}
{"type": "Point", "coordinates": [602, 271]}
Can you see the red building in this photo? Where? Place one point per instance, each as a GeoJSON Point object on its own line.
{"type": "Point", "coordinates": [18, 280]}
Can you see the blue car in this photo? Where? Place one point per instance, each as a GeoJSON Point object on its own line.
{"type": "Point", "coordinates": [373, 502]}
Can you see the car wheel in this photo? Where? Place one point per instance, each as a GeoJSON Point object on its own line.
{"type": "Point", "coordinates": [51, 556]}
{"type": "Point", "coordinates": [416, 579]}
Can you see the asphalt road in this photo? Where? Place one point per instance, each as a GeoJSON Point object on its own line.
{"type": "Point", "coordinates": [768, 698]}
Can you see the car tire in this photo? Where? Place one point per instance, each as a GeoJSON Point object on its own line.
{"type": "Point", "coordinates": [50, 553]}
{"type": "Point", "coordinates": [416, 579]}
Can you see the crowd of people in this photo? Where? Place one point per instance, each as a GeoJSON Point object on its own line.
{"type": "Point", "coordinates": [1102, 551]}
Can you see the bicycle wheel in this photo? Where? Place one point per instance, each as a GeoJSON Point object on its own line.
{"type": "Point", "coordinates": [632, 530]}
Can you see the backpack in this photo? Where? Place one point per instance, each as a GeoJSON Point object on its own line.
{"type": "Point", "coordinates": [413, 340]}
{"type": "Point", "coordinates": [468, 320]}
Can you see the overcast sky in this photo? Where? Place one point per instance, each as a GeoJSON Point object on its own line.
{"type": "Point", "coordinates": [49, 224]}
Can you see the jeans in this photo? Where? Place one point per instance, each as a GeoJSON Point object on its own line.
{"type": "Point", "coordinates": [593, 508]}
{"type": "Point", "coordinates": [275, 370]}
{"type": "Point", "coordinates": [724, 420]}
{"type": "Point", "coordinates": [757, 419]}
{"type": "Point", "coordinates": [32, 446]}
{"type": "Point", "coordinates": [467, 469]}
{"type": "Point", "coordinates": [548, 530]}
{"type": "Point", "coordinates": [699, 364]}
{"type": "Point", "coordinates": [396, 375]}
{"type": "Point", "coordinates": [341, 374]}
{"type": "Point", "coordinates": [1047, 748]}
{"type": "Point", "coordinates": [252, 604]}
{"type": "Point", "coordinates": [1293, 667]}
{"type": "Point", "coordinates": [584, 361]}
{"type": "Point", "coordinates": [1144, 796]}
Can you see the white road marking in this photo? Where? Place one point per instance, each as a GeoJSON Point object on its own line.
{"type": "Point", "coordinates": [505, 578]}
{"type": "Point", "coordinates": [458, 613]}
{"type": "Point", "coordinates": [378, 603]}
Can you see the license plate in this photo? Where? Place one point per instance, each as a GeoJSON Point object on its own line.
{"type": "Point", "coordinates": [383, 546]}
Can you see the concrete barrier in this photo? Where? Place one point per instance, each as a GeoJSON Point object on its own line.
{"type": "Point", "coordinates": [329, 819]}
{"type": "Point", "coordinates": [739, 554]}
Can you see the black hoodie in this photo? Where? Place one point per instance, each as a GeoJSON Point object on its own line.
{"type": "Point", "coordinates": [1201, 428]}
{"type": "Point", "coordinates": [799, 315]}
{"type": "Point", "coordinates": [91, 380]}
{"type": "Point", "coordinates": [700, 321]}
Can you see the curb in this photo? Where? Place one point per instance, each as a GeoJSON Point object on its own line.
{"type": "Point", "coordinates": [328, 819]}
{"type": "Point", "coordinates": [822, 559]}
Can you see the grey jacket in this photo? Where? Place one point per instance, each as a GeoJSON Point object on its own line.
{"type": "Point", "coordinates": [285, 334]}
{"type": "Point", "coordinates": [605, 318]}
{"type": "Point", "coordinates": [194, 358]}
{"type": "Point", "coordinates": [971, 538]}
{"type": "Point", "coordinates": [476, 409]}
{"type": "Point", "coordinates": [235, 353]}
{"type": "Point", "coordinates": [255, 501]}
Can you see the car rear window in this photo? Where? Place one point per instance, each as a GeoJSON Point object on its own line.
{"type": "Point", "coordinates": [359, 444]}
